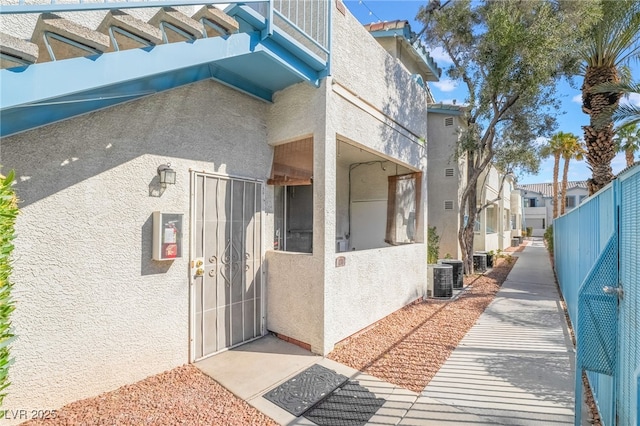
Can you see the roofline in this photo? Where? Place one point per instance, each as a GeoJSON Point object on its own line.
{"type": "Point", "coordinates": [450, 109]}
{"type": "Point", "coordinates": [405, 34]}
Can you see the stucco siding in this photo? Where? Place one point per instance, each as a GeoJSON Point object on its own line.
{"type": "Point", "coordinates": [373, 284]}
{"type": "Point", "coordinates": [295, 305]}
{"type": "Point", "coordinates": [372, 102]}
{"type": "Point", "coordinates": [365, 68]}
{"type": "Point", "coordinates": [441, 147]}
{"type": "Point", "coordinates": [90, 301]}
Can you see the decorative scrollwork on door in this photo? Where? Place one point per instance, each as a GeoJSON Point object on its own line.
{"type": "Point", "coordinates": [232, 264]}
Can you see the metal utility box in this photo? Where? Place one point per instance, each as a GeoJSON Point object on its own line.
{"type": "Point", "coordinates": [167, 236]}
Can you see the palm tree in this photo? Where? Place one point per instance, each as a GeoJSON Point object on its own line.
{"type": "Point", "coordinates": [612, 42]}
{"type": "Point", "coordinates": [627, 139]}
{"type": "Point", "coordinates": [626, 113]}
{"type": "Point", "coordinates": [554, 148]}
{"type": "Point", "coordinates": [571, 148]}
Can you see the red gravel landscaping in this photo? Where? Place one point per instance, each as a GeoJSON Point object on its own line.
{"type": "Point", "coordinates": [406, 348]}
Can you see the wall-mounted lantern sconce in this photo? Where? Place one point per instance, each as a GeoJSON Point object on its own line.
{"type": "Point", "coordinates": [167, 175]}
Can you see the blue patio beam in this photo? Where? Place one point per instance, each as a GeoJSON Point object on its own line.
{"type": "Point", "coordinates": [106, 5]}
{"type": "Point", "coordinates": [51, 80]}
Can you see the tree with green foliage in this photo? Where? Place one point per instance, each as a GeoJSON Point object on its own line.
{"type": "Point", "coordinates": [571, 148]}
{"type": "Point", "coordinates": [627, 140]}
{"type": "Point", "coordinates": [509, 55]}
{"type": "Point", "coordinates": [8, 213]}
{"type": "Point", "coordinates": [611, 43]}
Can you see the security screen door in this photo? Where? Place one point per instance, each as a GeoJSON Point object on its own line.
{"type": "Point", "coordinates": [226, 279]}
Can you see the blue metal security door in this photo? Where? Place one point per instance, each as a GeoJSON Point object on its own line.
{"type": "Point", "coordinates": [226, 252]}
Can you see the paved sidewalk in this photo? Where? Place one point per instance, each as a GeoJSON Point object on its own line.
{"type": "Point", "coordinates": [515, 366]}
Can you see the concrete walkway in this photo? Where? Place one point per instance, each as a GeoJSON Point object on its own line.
{"type": "Point", "coordinates": [516, 364]}
{"type": "Point", "coordinates": [514, 367]}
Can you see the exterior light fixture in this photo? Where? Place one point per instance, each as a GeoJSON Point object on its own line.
{"type": "Point", "coordinates": [167, 174]}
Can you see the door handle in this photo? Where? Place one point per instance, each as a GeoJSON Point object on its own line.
{"type": "Point", "coordinates": [613, 290]}
{"type": "Point", "coordinates": [196, 267]}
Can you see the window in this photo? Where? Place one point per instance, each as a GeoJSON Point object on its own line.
{"type": "Point", "coordinates": [570, 201]}
{"type": "Point", "coordinates": [492, 219]}
{"type": "Point", "coordinates": [448, 205]}
{"type": "Point", "coordinates": [448, 172]}
{"type": "Point", "coordinates": [582, 197]}
{"type": "Point", "coordinates": [513, 221]}
{"type": "Point", "coordinates": [292, 175]}
{"type": "Point", "coordinates": [448, 122]}
{"type": "Point", "coordinates": [403, 208]}
{"type": "Point", "coordinates": [530, 202]}
{"type": "Point", "coordinates": [543, 227]}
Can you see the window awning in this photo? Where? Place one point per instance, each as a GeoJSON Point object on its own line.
{"type": "Point", "coordinates": [292, 163]}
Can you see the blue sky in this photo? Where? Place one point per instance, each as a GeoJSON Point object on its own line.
{"type": "Point", "coordinates": [570, 120]}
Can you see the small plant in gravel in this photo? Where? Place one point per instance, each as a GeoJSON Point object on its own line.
{"type": "Point", "coordinates": [8, 213]}
{"type": "Point", "coordinates": [433, 245]}
{"type": "Point", "coordinates": [548, 238]}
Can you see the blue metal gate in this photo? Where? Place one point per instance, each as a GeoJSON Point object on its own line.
{"type": "Point", "coordinates": [598, 268]}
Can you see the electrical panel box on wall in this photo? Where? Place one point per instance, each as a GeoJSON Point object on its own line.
{"type": "Point", "coordinates": [167, 236]}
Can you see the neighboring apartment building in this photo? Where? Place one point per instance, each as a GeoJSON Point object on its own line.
{"type": "Point", "coordinates": [447, 176]}
{"type": "Point", "coordinates": [499, 221]}
{"type": "Point", "coordinates": [538, 203]}
{"type": "Point", "coordinates": [187, 197]}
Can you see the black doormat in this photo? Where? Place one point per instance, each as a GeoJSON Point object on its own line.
{"type": "Point", "coordinates": [351, 405]}
{"type": "Point", "coordinates": [306, 389]}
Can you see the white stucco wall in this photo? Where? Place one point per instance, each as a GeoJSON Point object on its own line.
{"type": "Point", "coordinates": [372, 284]}
{"type": "Point", "coordinates": [377, 89]}
{"type": "Point", "coordinates": [295, 282]}
{"type": "Point", "coordinates": [94, 311]}
{"type": "Point", "coordinates": [441, 148]}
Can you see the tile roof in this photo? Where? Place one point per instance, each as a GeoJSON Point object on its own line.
{"type": "Point", "coordinates": [546, 189]}
{"type": "Point", "coordinates": [387, 25]}
{"type": "Point", "coordinates": [401, 27]}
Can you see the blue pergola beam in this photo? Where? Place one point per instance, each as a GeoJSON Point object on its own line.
{"type": "Point", "coordinates": [52, 80]}
{"type": "Point", "coordinates": [78, 7]}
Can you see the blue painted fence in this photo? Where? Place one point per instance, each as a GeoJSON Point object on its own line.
{"type": "Point", "coordinates": [598, 267]}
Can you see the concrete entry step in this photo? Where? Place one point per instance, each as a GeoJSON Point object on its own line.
{"type": "Point", "coordinates": [216, 22]}
{"type": "Point", "coordinates": [15, 52]}
{"type": "Point", "coordinates": [127, 32]}
{"type": "Point", "coordinates": [58, 38]}
{"type": "Point", "coordinates": [176, 26]}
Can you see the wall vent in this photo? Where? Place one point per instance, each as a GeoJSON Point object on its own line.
{"type": "Point", "coordinates": [448, 172]}
{"type": "Point", "coordinates": [448, 121]}
{"type": "Point", "coordinates": [448, 205]}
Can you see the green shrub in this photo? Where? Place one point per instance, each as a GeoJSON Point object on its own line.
{"type": "Point", "coordinates": [548, 237]}
{"type": "Point", "coordinates": [529, 231]}
{"type": "Point", "coordinates": [433, 245]}
{"type": "Point", "coordinates": [8, 213]}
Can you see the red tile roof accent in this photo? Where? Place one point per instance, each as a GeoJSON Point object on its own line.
{"type": "Point", "coordinates": [387, 25]}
